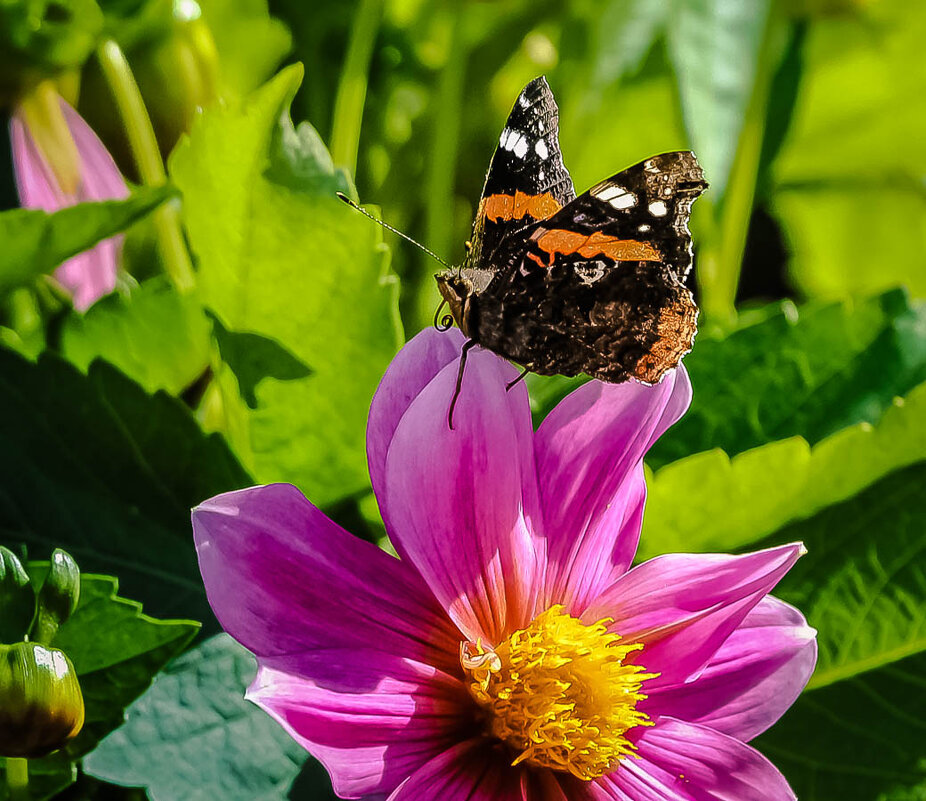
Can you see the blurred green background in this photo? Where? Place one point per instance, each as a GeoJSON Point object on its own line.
{"type": "Point", "coordinates": [809, 414]}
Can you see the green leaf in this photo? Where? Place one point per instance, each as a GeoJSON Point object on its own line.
{"type": "Point", "coordinates": [858, 734]}
{"type": "Point", "coordinates": [116, 651]}
{"type": "Point", "coordinates": [249, 41]}
{"type": "Point", "coordinates": [157, 337]}
{"type": "Point", "coordinates": [715, 47]}
{"type": "Point", "coordinates": [98, 467]}
{"type": "Point", "coordinates": [858, 740]}
{"type": "Point", "coordinates": [807, 372]}
{"type": "Point", "coordinates": [253, 358]}
{"type": "Point", "coordinates": [847, 183]}
{"type": "Point", "coordinates": [194, 736]}
{"type": "Point", "coordinates": [287, 261]}
{"type": "Point", "coordinates": [35, 242]}
{"type": "Point", "coordinates": [740, 500]}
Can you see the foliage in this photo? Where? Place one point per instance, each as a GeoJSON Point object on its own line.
{"type": "Point", "coordinates": [809, 413]}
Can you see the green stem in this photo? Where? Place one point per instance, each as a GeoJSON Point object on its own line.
{"type": "Point", "coordinates": [17, 778]}
{"type": "Point", "coordinates": [147, 156]}
{"type": "Point", "coordinates": [722, 260]}
{"type": "Point", "coordinates": [352, 90]}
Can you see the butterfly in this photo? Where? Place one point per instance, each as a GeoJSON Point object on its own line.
{"type": "Point", "coordinates": [565, 285]}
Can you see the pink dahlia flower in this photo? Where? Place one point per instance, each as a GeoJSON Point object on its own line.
{"type": "Point", "coordinates": [92, 274]}
{"type": "Point", "coordinates": [512, 653]}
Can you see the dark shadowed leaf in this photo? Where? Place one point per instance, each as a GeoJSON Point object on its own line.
{"type": "Point", "coordinates": [94, 465]}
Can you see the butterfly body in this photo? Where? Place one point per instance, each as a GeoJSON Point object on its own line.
{"type": "Point", "coordinates": [566, 285]}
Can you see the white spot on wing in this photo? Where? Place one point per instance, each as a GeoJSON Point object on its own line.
{"type": "Point", "coordinates": [643, 228]}
{"type": "Point", "coordinates": [617, 196]}
{"type": "Point", "coordinates": [541, 148]}
{"type": "Point", "coordinates": [520, 147]}
{"type": "Point", "coordinates": [658, 209]}
{"type": "Point", "coordinates": [523, 102]}
{"type": "Point", "coordinates": [540, 126]}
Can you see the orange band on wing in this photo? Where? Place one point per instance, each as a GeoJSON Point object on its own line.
{"type": "Point", "coordinates": [597, 244]}
{"type": "Point", "coordinates": [519, 205]}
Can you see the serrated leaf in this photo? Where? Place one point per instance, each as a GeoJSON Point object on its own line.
{"type": "Point", "coordinates": [857, 734]}
{"type": "Point", "coordinates": [290, 263]}
{"type": "Point", "coordinates": [807, 372]}
{"type": "Point", "coordinates": [100, 468]}
{"type": "Point", "coordinates": [194, 736]}
{"type": "Point", "coordinates": [154, 335]}
{"type": "Point", "coordinates": [738, 501]}
{"type": "Point", "coordinates": [715, 47]}
{"type": "Point", "coordinates": [35, 242]}
{"type": "Point", "coordinates": [116, 650]}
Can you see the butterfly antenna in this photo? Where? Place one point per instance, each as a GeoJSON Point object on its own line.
{"type": "Point", "coordinates": [406, 237]}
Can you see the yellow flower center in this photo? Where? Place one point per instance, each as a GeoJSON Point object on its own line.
{"type": "Point", "coordinates": [558, 692]}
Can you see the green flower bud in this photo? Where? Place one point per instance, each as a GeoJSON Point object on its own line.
{"type": "Point", "coordinates": [41, 706]}
{"type": "Point", "coordinates": [58, 596]}
{"type": "Point", "coordinates": [17, 598]}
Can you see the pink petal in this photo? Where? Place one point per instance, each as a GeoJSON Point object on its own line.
{"type": "Point", "coordinates": [372, 719]}
{"type": "Point", "coordinates": [410, 372]}
{"type": "Point", "coordinates": [682, 762]}
{"type": "Point", "coordinates": [589, 451]}
{"type": "Point", "coordinates": [477, 770]}
{"type": "Point", "coordinates": [93, 273]}
{"type": "Point", "coordinates": [683, 607]}
{"type": "Point", "coordinates": [283, 578]}
{"type": "Point", "coordinates": [100, 177]}
{"type": "Point", "coordinates": [752, 679]}
{"type": "Point", "coordinates": [460, 501]}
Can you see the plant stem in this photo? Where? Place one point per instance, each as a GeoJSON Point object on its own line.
{"type": "Point", "coordinates": [352, 90]}
{"type": "Point", "coordinates": [443, 156]}
{"type": "Point", "coordinates": [147, 156]}
{"type": "Point", "coordinates": [17, 778]}
{"type": "Point", "coordinates": [722, 261]}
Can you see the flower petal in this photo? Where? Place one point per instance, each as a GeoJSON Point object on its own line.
{"type": "Point", "coordinates": [282, 578]}
{"type": "Point", "coordinates": [683, 607]}
{"type": "Point", "coordinates": [588, 449]}
{"type": "Point", "coordinates": [370, 718]}
{"type": "Point", "coordinates": [460, 501]}
{"type": "Point", "coordinates": [410, 372]}
{"type": "Point", "coordinates": [91, 274]}
{"type": "Point", "coordinates": [752, 679]}
{"type": "Point", "coordinates": [679, 761]}
{"type": "Point", "coordinates": [100, 177]}
{"type": "Point", "coordinates": [469, 771]}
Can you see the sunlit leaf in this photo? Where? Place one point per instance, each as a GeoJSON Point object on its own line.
{"type": "Point", "coordinates": [155, 336]}
{"type": "Point", "coordinates": [35, 242]}
{"type": "Point", "coordinates": [730, 504]}
{"type": "Point", "coordinates": [194, 736]}
{"type": "Point", "coordinates": [287, 261]}
{"type": "Point", "coordinates": [802, 371]}
{"type": "Point", "coordinates": [848, 181]}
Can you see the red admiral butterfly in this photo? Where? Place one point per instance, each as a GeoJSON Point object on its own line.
{"type": "Point", "coordinates": [591, 284]}
{"type": "Point", "coordinates": [563, 284]}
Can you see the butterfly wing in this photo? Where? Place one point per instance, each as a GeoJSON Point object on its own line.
{"type": "Point", "coordinates": [527, 180]}
{"type": "Point", "coordinates": [598, 286]}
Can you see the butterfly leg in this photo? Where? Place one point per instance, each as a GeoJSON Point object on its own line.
{"type": "Point", "coordinates": [467, 346]}
{"type": "Point", "coordinates": [512, 384]}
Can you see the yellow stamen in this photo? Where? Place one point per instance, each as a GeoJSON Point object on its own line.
{"type": "Point", "coordinates": [559, 693]}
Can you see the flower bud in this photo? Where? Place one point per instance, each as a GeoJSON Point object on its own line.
{"type": "Point", "coordinates": [17, 598]}
{"type": "Point", "coordinates": [41, 706]}
{"type": "Point", "coordinates": [58, 596]}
